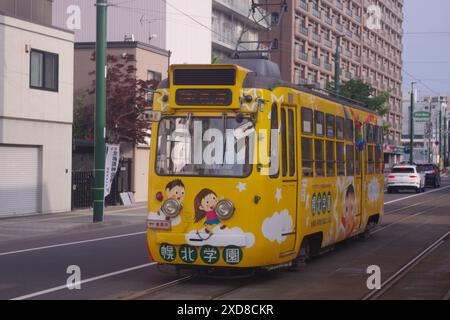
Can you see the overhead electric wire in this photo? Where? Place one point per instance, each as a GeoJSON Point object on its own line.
{"type": "Point", "coordinates": [420, 82]}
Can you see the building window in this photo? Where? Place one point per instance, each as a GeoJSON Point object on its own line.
{"type": "Point", "coordinates": [43, 70]}
{"type": "Point", "coordinates": [153, 75]}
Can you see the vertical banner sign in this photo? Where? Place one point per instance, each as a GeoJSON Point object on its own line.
{"type": "Point", "coordinates": [111, 165]}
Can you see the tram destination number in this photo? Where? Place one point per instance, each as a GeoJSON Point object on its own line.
{"type": "Point", "coordinates": [226, 310]}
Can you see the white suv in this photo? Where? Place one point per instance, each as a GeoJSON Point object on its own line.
{"type": "Point", "coordinates": [406, 177]}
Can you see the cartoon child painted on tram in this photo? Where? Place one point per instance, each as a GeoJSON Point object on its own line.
{"type": "Point", "coordinates": [349, 214]}
{"type": "Point", "coordinates": [204, 204]}
{"type": "Point", "coordinates": [174, 190]}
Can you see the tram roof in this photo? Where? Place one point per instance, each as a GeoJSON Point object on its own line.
{"type": "Point", "coordinates": [265, 74]}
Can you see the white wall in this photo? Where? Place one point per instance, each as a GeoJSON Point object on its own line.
{"type": "Point", "coordinates": [36, 117]}
{"type": "Point", "coordinates": [189, 41]}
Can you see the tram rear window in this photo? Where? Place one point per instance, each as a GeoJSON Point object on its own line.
{"type": "Point", "coordinates": [205, 146]}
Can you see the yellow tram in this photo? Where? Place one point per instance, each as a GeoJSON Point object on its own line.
{"type": "Point", "coordinates": [249, 171]}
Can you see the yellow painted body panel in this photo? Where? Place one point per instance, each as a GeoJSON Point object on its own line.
{"type": "Point", "coordinates": [269, 232]}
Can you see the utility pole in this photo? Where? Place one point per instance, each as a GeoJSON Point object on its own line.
{"type": "Point", "coordinates": [445, 140]}
{"type": "Point", "coordinates": [411, 126]}
{"type": "Point", "coordinates": [430, 133]}
{"type": "Point", "coordinates": [337, 65]}
{"type": "Point", "coordinates": [100, 111]}
{"type": "Point", "coordinates": [440, 135]}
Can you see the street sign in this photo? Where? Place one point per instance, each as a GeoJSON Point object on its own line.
{"type": "Point", "coordinates": [422, 114]}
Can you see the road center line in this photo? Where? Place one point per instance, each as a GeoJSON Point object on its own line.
{"type": "Point", "coordinates": [416, 195]}
{"type": "Point", "coordinates": [103, 276]}
{"type": "Point", "coordinates": [73, 243]}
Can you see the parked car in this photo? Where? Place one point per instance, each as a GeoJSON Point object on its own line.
{"type": "Point", "coordinates": [432, 175]}
{"type": "Point", "coordinates": [406, 177]}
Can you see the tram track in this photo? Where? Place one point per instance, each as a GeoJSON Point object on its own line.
{"type": "Point", "coordinates": [395, 278]}
{"type": "Point", "coordinates": [406, 268]}
{"type": "Point", "coordinates": [146, 292]}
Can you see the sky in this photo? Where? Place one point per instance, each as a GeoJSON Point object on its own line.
{"type": "Point", "coordinates": [427, 56]}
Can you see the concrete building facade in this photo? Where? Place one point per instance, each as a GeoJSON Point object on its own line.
{"type": "Point", "coordinates": [36, 111]}
{"type": "Point", "coordinates": [151, 63]}
{"type": "Point", "coordinates": [371, 49]}
{"type": "Point", "coordinates": [430, 114]}
{"type": "Point", "coordinates": [182, 27]}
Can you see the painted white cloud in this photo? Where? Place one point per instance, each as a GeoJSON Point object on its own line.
{"type": "Point", "coordinates": [373, 190]}
{"type": "Point", "coordinates": [221, 238]}
{"type": "Point", "coordinates": [161, 216]}
{"type": "Point", "coordinates": [274, 227]}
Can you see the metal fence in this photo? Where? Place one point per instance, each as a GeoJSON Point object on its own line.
{"type": "Point", "coordinates": [83, 181]}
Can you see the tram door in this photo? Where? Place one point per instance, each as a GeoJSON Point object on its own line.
{"type": "Point", "coordinates": [287, 195]}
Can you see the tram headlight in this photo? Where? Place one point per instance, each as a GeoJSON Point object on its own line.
{"type": "Point", "coordinates": [224, 209]}
{"type": "Point", "coordinates": [171, 208]}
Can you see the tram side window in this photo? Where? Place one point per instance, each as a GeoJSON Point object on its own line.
{"type": "Point", "coordinates": [350, 161]}
{"type": "Point", "coordinates": [369, 130]}
{"type": "Point", "coordinates": [339, 128]}
{"type": "Point", "coordinates": [348, 132]}
{"type": "Point", "coordinates": [331, 163]}
{"type": "Point", "coordinates": [358, 162]}
{"type": "Point", "coordinates": [291, 132]}
{"type": "Point", "coordinates": [330, 123]}
{"type": "Point", "coordinates": [340, 159]}
{"type": "Point", "coordinates": [370, 159]}
{"type": "Point", "coordinates": [378, 158]}
{"type": "Point", "coordinates": [307, 157]}
{"type": "Point", "coordinates": [307, 117]}
{"type": "Point", "coordinates": [283, 142]}
{"type": "Point", "coordinates": [319, 159]}
{"type": "Point", "coordinates": [274, 150]}
{"type": "Point", "coordinates": [318, 123]}
{"type": "Point", "coordinates": [376, 134]}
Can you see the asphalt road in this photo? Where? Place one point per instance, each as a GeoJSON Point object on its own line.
{"type": "Point", "coordinates": [35, 253]}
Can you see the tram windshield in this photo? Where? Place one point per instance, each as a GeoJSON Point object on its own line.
{"type": "Point", "coordinates": [205, 146]}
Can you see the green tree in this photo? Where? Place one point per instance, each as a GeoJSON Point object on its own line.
{"type": "Point", "coordinates": [360, 91]}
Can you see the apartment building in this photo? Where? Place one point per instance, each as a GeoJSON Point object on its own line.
{"type": "Point", "coordinates": [36, 110]}
{"type": "Point", "coordinates": [371, 49]}
{"type": "Point", "coordinates": [229, 19]}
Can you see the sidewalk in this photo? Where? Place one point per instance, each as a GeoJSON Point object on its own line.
{"type": "Point", "coordinates": [12, 228]}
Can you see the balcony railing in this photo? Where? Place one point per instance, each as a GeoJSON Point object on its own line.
{"type": "Point", "coordinates": [339, 27]}
{"type": "Point", "coordinates": [328, 20]}
{"type": "Point", "coordinates": [315, 61]}
{"type": "Point", "coordinates": [339, 5]}
{"type": "Point", "coordinates": [303, 5]}
{"type": "Point", "coordinates": [303, 30]}
{"type": "Point", "coordinates": [303, 56]}
{"type": "Point", "coordinates": [316, 37]}
{"type": "Point", "coordinates": [327, 66]}
{"type": "Point", "coordinates": [328, 43]}
{"type": "Point", "coordinates": [316, 13]}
